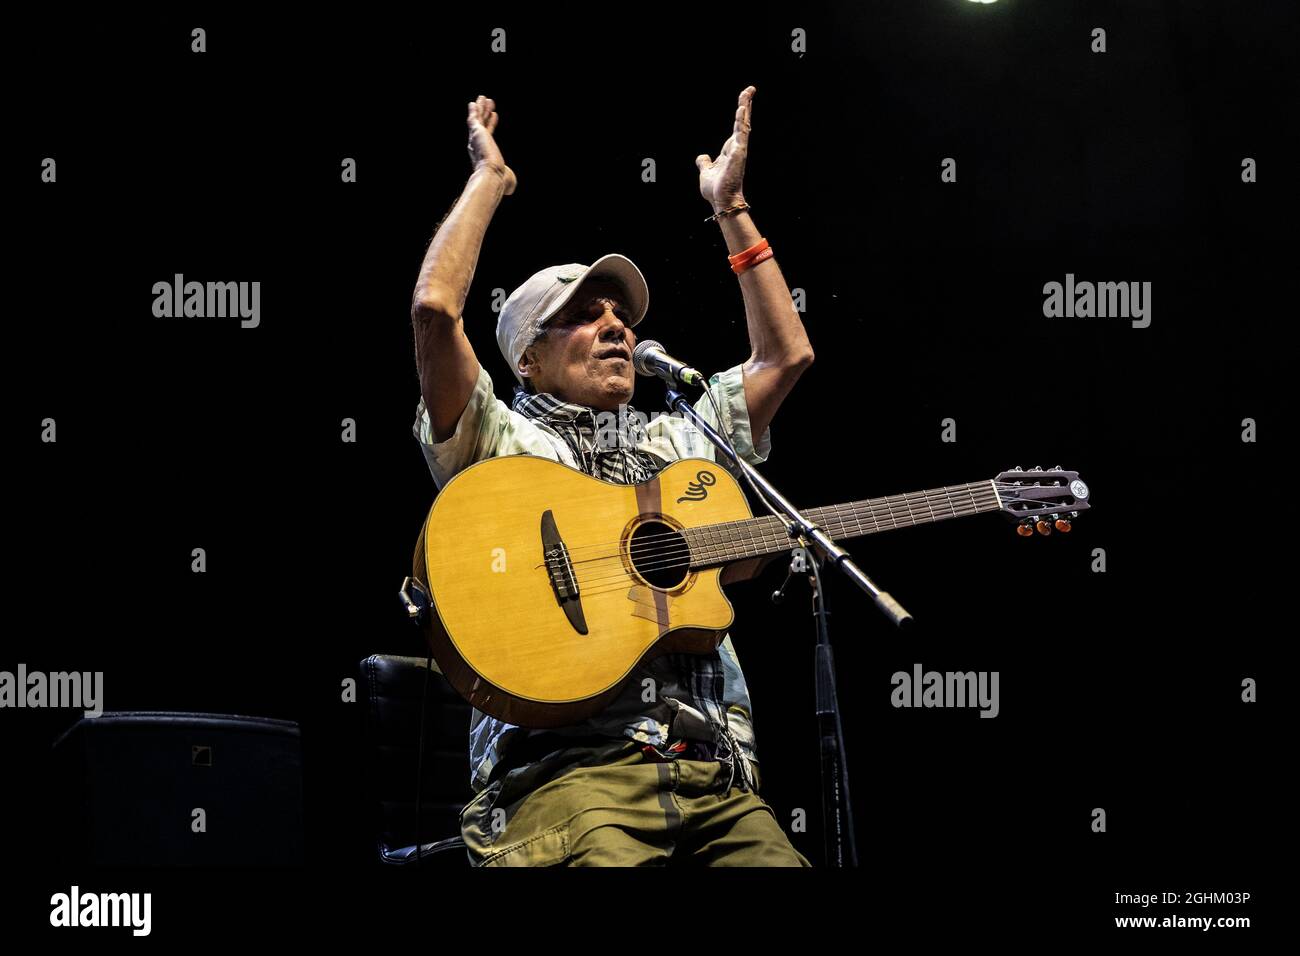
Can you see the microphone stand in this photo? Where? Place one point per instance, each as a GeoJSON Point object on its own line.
{"type": "Point", "coordinates": [837, 811]}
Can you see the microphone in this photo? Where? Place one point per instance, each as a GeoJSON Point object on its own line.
{"type": "Point", "coordinates": [649, 358]}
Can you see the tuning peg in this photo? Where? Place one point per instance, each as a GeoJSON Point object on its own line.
{"type": "Point", "coordinates": [1057, 468]}
{"type": "Point", "coordinates": [1043, 527]}
{"type": "Point", "coordinates": [1014, 468]}
{"type": "Point", "coordinates": [1036, 468]}
{"type": "Point", "coordinates": [1063, 525]}
{"type": "Point", "coordinates": [1025, 529]}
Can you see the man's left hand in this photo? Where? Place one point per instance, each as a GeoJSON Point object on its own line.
{"type": "Point", "coordinates": [721, 179]}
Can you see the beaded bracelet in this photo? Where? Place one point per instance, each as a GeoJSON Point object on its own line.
{"type": "Point", "coordinates": [731, 211]}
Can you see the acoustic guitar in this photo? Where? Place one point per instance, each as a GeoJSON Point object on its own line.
{"type": "Point", "coordinates": [540, 588]}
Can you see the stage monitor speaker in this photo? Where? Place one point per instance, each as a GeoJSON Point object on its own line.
{"type": "Point", "coordinates": [177, 789]}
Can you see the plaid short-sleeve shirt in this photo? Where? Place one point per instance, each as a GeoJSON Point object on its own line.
{"type": "Point", "coordinates": [699, 697]}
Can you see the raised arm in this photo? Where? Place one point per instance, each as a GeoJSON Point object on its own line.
{"type": "Point", "coordinates": [444, 357]}
{"type": "Point", "coordinates": [779, 346]}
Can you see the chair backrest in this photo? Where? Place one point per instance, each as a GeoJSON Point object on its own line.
{"type": "Point", "coordinates": [393, 688]}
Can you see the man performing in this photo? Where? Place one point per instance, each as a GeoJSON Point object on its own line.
{"type": "Point", "coordinates": [668, 771]}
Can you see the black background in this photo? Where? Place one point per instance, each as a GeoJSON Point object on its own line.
{"type": "Point", "coordinates": [924, 301]}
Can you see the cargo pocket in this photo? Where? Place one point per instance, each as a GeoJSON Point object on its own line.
{"type": "Point", "coordinates": [548, 848]}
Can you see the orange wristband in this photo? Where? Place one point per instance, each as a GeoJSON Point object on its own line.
{"type": "Point", "coordinates": [746, 253]}
{"type": "Point", "coordinates": [750, 263]}
{"type": "Point", "coordinates": [750, 257]}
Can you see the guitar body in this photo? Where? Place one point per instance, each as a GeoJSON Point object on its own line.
{"type": "Point", "coordinates": [508, 628]}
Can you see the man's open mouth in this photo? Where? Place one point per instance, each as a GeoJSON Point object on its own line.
{"type": "Point", "coordinates": [614, 353]}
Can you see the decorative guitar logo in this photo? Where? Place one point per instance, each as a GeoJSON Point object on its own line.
{"type": "Point", "coordinates": [697, 490]}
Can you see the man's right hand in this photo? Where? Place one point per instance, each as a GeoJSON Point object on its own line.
{"type": "Point", "coordinates": [483, 150]}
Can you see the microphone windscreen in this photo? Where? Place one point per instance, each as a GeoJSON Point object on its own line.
{"type": "Point", "coordinates": [641, 353]}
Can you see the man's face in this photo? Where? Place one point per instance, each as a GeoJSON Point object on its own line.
{"type": "Point", "coordinates": [586, 355]}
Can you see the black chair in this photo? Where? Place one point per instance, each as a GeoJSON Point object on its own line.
{"type": "Point", "coordinates": [393, 688]}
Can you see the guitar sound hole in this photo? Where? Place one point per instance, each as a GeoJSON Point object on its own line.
{"type": "Point", "coordinates": [659, 554]}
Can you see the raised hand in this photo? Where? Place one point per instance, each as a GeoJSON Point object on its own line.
{"type": "Point", "coordinates": [483, 150]}
{"type": "Point", "coordinates": [721, 180]}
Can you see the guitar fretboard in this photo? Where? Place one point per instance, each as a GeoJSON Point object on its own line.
{"type": "Point", "coordinates": [729, 541]}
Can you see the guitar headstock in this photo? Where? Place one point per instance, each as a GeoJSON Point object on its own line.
{"type": "Point", "coordinates": [1041, 500]}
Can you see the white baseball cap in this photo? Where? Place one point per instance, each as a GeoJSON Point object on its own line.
{"type": "Point", "coordinates": [535, 302]}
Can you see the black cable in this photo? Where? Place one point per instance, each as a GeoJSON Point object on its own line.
{"type": "Point", "coordinates": [419, 765]}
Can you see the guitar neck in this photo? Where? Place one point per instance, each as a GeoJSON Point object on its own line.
{"type": "Point", "coordinates": [715, 544]}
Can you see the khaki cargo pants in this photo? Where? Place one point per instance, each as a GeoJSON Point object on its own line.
{"type": "Point", "coordinates": [612, 806]}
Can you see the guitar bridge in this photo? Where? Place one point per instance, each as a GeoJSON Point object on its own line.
{"type": "Point", "coordinates": [559, 567]}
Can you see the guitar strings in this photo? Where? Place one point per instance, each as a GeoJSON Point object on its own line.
{"type": "Point", "coordinates": [676, 543]}
{"type": "Point", "coordinates": [592, 586]}
{"type": "Point", "coordinates": [878, 506]}
{"type": "Point", "coordinates": [876, 510]}
{"type": "Point", "coordinates": [672, 557]}
{"type": "Point", "coordinates": [723, 547]}
{"type": "Point", "coordinates": [618, 582]}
